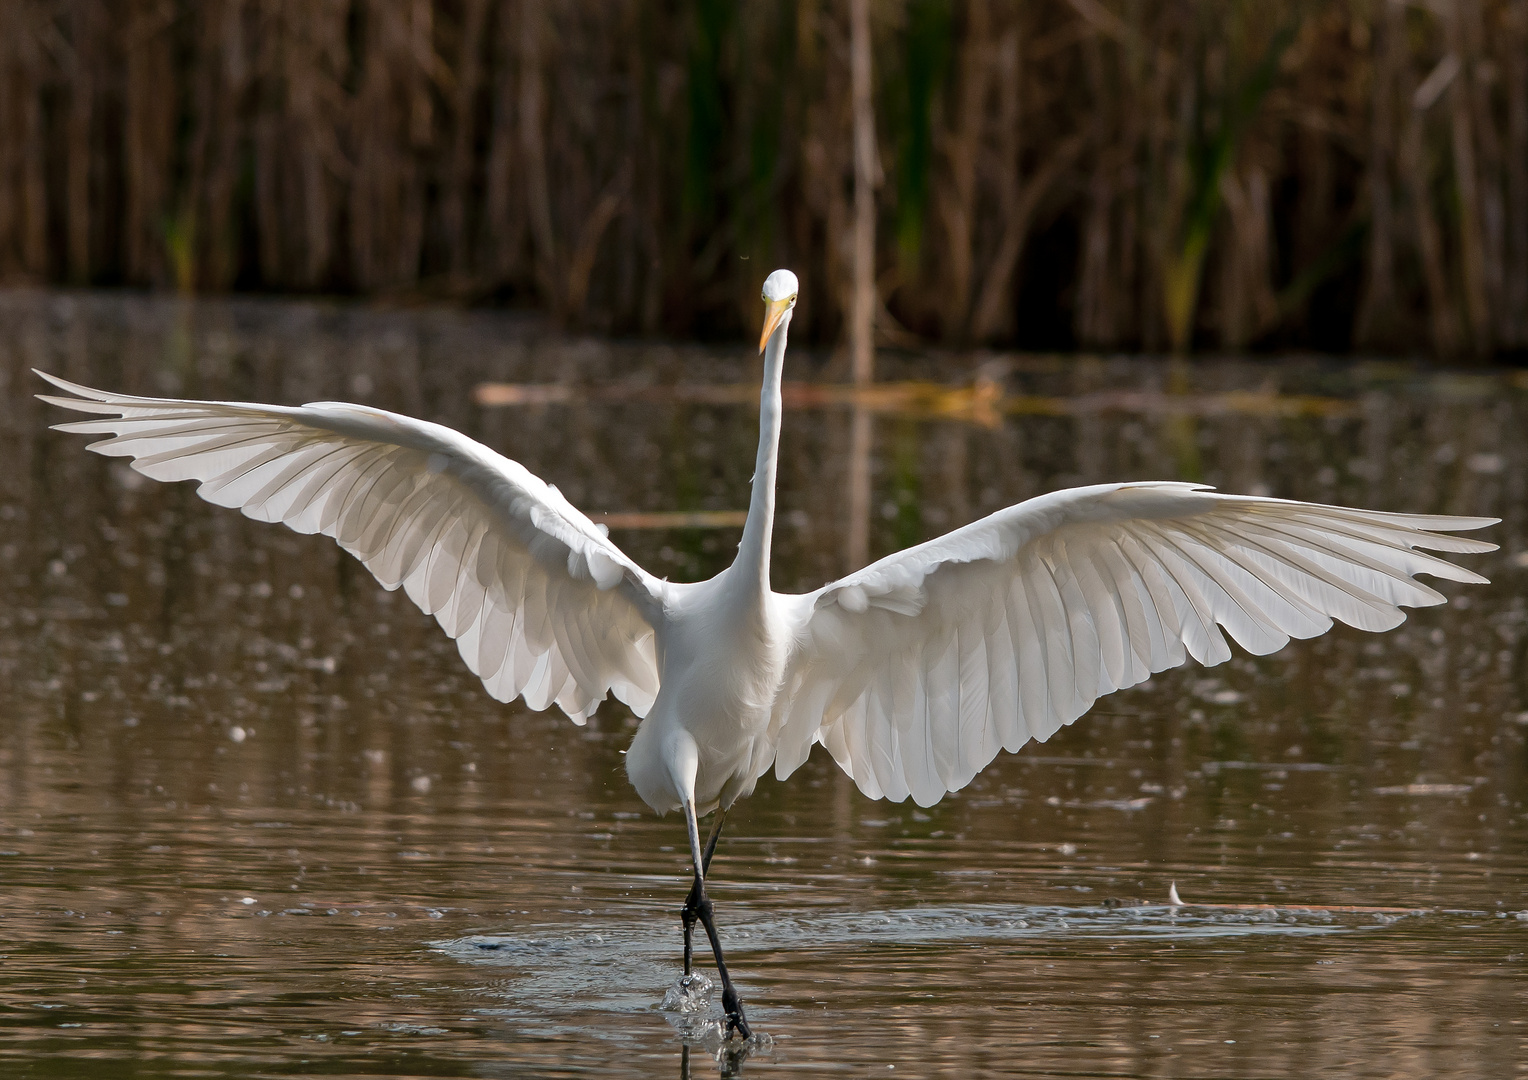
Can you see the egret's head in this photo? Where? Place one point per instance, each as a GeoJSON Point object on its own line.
{"type": "Point", "coordinates": [780, 290]}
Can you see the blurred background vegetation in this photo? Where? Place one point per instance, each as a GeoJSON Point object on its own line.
{"type": "Point", "coordinates": [1099, 174]}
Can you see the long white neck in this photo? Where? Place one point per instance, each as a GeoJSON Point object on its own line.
{"type": "Point", "coordinates": [751, 568]}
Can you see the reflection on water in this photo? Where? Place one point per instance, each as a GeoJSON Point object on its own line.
{"type": "Point", "coordinates": [256, 817]}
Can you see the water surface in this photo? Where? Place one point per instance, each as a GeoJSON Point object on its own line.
{"type": "Point", "coordinates": [257, 819]}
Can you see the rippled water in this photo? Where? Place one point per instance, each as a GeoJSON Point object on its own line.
{"type": "Point", "coordinates": [257, 819]}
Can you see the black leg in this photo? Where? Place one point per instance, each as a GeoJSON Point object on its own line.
{"type": "Point", "coordinates": [688, 913]}
{"type": "Point", "coordinates": [687, 916]}
{"type": "Point", "coordinates": [716, 834]}
{"type": "Point", "coordinates": [731, 1003]}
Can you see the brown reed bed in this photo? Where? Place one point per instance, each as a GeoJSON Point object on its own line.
{"type": "Point", "coordinates": [1150, 174]}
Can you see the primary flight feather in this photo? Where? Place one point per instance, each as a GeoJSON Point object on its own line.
{"type": "Point", "coordinates": [913, 672]}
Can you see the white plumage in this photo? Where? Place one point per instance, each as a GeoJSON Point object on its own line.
{"type": "Point", "coordinates": [916, 670]}
{"type": "Point", "coordinates": [541, 604]}
{"type": "Point", "coordinates": [913, 672]}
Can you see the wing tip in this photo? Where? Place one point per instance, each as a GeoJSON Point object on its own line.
{"type": "Point", "coordinates": [79, 390]}
{"type": "Point", "coordinates": [54, 380]}
{"type": "Point", "coordinates": [1461, 523]}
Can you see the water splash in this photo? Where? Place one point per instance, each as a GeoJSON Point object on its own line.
{"type": "Point", "coordinates": [688, 994]}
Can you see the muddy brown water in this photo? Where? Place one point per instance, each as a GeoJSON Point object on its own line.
{"type": "Point", "coordinates": [257, 819]}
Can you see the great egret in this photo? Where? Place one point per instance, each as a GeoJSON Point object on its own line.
{"type": "Point", "coordinates": [912, 672]}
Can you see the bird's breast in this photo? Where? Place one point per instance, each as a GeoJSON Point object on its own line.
{"type": "Point", "coordinates": [717, 688]}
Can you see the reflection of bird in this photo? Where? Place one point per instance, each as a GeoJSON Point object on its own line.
{"type": "Point", "coordinates": [912, 672]}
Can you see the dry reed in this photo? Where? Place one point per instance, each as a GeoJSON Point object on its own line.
{"type": "Point", "coordinates": [1096, 173]}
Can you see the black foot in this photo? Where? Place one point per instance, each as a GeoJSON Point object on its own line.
{"type": "Point", "coordinates": [736, 1021]}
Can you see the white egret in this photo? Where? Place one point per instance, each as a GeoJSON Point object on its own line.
{"type": "Point", "coordinates": [913, 672]}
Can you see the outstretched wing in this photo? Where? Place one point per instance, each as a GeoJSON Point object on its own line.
{"type": "Point", "coordinates": [916, 670]}
{"type": "Point", "coordinates": [540, 603]}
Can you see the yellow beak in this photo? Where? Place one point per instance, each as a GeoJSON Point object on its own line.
{"type": "Point", "coordinates": [774, 311]}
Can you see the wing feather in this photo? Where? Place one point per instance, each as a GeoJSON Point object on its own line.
{"type": "Point", "coordinates": [541, 604]}
{"type": "Point", "coordinates": [1107, 613]}
{"type": "Point", "coordinates": [1002, 690]}
{"type": "Point", "coordinates": [1007, 629]}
